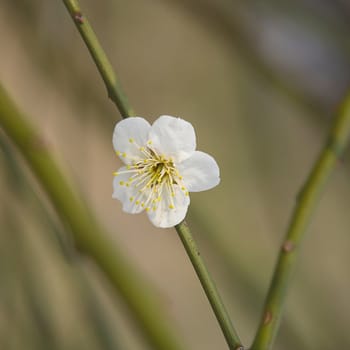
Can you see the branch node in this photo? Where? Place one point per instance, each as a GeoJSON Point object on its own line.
{"type": "Point", "coordinates": [78, 17]}
{"type": "Point", "coordinates": [288, 246]}
{"type": "Point", "coordinates": [267, 318]}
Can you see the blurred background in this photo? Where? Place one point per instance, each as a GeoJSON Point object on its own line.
{"type": "Point", "coordinates": [260, 82]}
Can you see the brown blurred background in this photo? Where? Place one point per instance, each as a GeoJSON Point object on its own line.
{"type": "Point", "coordinates": [260, 81]}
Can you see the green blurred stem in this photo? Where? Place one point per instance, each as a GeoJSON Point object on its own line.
{"type": "Point", "coordinates": [20, 185]}
{"type": "Point", "coordinates": [209, 287]}
{"type": "Point", "coordinates": [305, 206]}
{"type": "Point", "coordinates": [114, 89]}
{"type": "Point", "coordinates": [88, 235]}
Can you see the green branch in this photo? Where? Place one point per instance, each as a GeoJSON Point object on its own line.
{"type": "Point", "coordinates": [209, 287]}
{"type": "Point", "coordinates": [115, 91]}
{"type": "Point", "coordinates": [88, 235]}
{"type": "Point", "coordinates": [306, 203]}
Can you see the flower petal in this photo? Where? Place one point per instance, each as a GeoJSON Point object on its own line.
{"type": "Point", "coordinates": [200, 172]}
{"type": "Point", "coordinates": [173, 137]}
{"type": "Point", "coordinates": [129, 135]}
{"type": "Point", "coordinates": [129, 196]}
{"type": "Point", "coordinates": [170, 211]}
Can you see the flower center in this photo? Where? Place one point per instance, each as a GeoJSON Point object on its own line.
{"type": "Point", "coordinates": [153, 179]}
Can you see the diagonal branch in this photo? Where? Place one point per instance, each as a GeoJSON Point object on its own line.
{"type": "Point", "coordinates": [305, 207]}
{"type": "Point", "coordinates": [114, 89]}
{"type": "Point", "coordinates": [115, 92]}
{"type": "Point", "coordinates": [209, 287]}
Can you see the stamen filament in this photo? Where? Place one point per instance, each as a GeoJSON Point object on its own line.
{"type": "Point", "coordinates": [153, 177]}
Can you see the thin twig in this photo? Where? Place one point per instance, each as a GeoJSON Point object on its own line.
{"type": "Point", "coordinates": [209, 287]}
{"type": "Point", "coordinates": [305, 207]}
{"type": "Point", "coordinates": [115, 90]}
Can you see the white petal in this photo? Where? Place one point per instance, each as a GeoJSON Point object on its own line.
{"type": "Point", "coordinates": [127, 194]}
{"type": "Point", "coordinates": [173, 137]}
{"type": "Point", "coordinates": [200, 172]}
{"type": "Point", "coordinates": [170, 211]}
{"type": "Point", "coordinates": [129, 135]}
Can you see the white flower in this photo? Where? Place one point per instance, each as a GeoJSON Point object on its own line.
{"type": "Point", "coordinates": [161, 167]}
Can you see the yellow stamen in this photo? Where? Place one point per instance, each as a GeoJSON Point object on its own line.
{"type": "Point", "coordinates": [153, 177]}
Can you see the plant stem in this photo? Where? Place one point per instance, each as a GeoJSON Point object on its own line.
{"type": "Point", "coordinates": [114, 89]}
{"type": "Point", "coordinates": [209, 287]}
{"type": "Point", "coordinates": [109, 77]}
{"type": "Point", "coordinates": [88, 234]}
{"type": "Point", "coordinates": [305, 206]}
